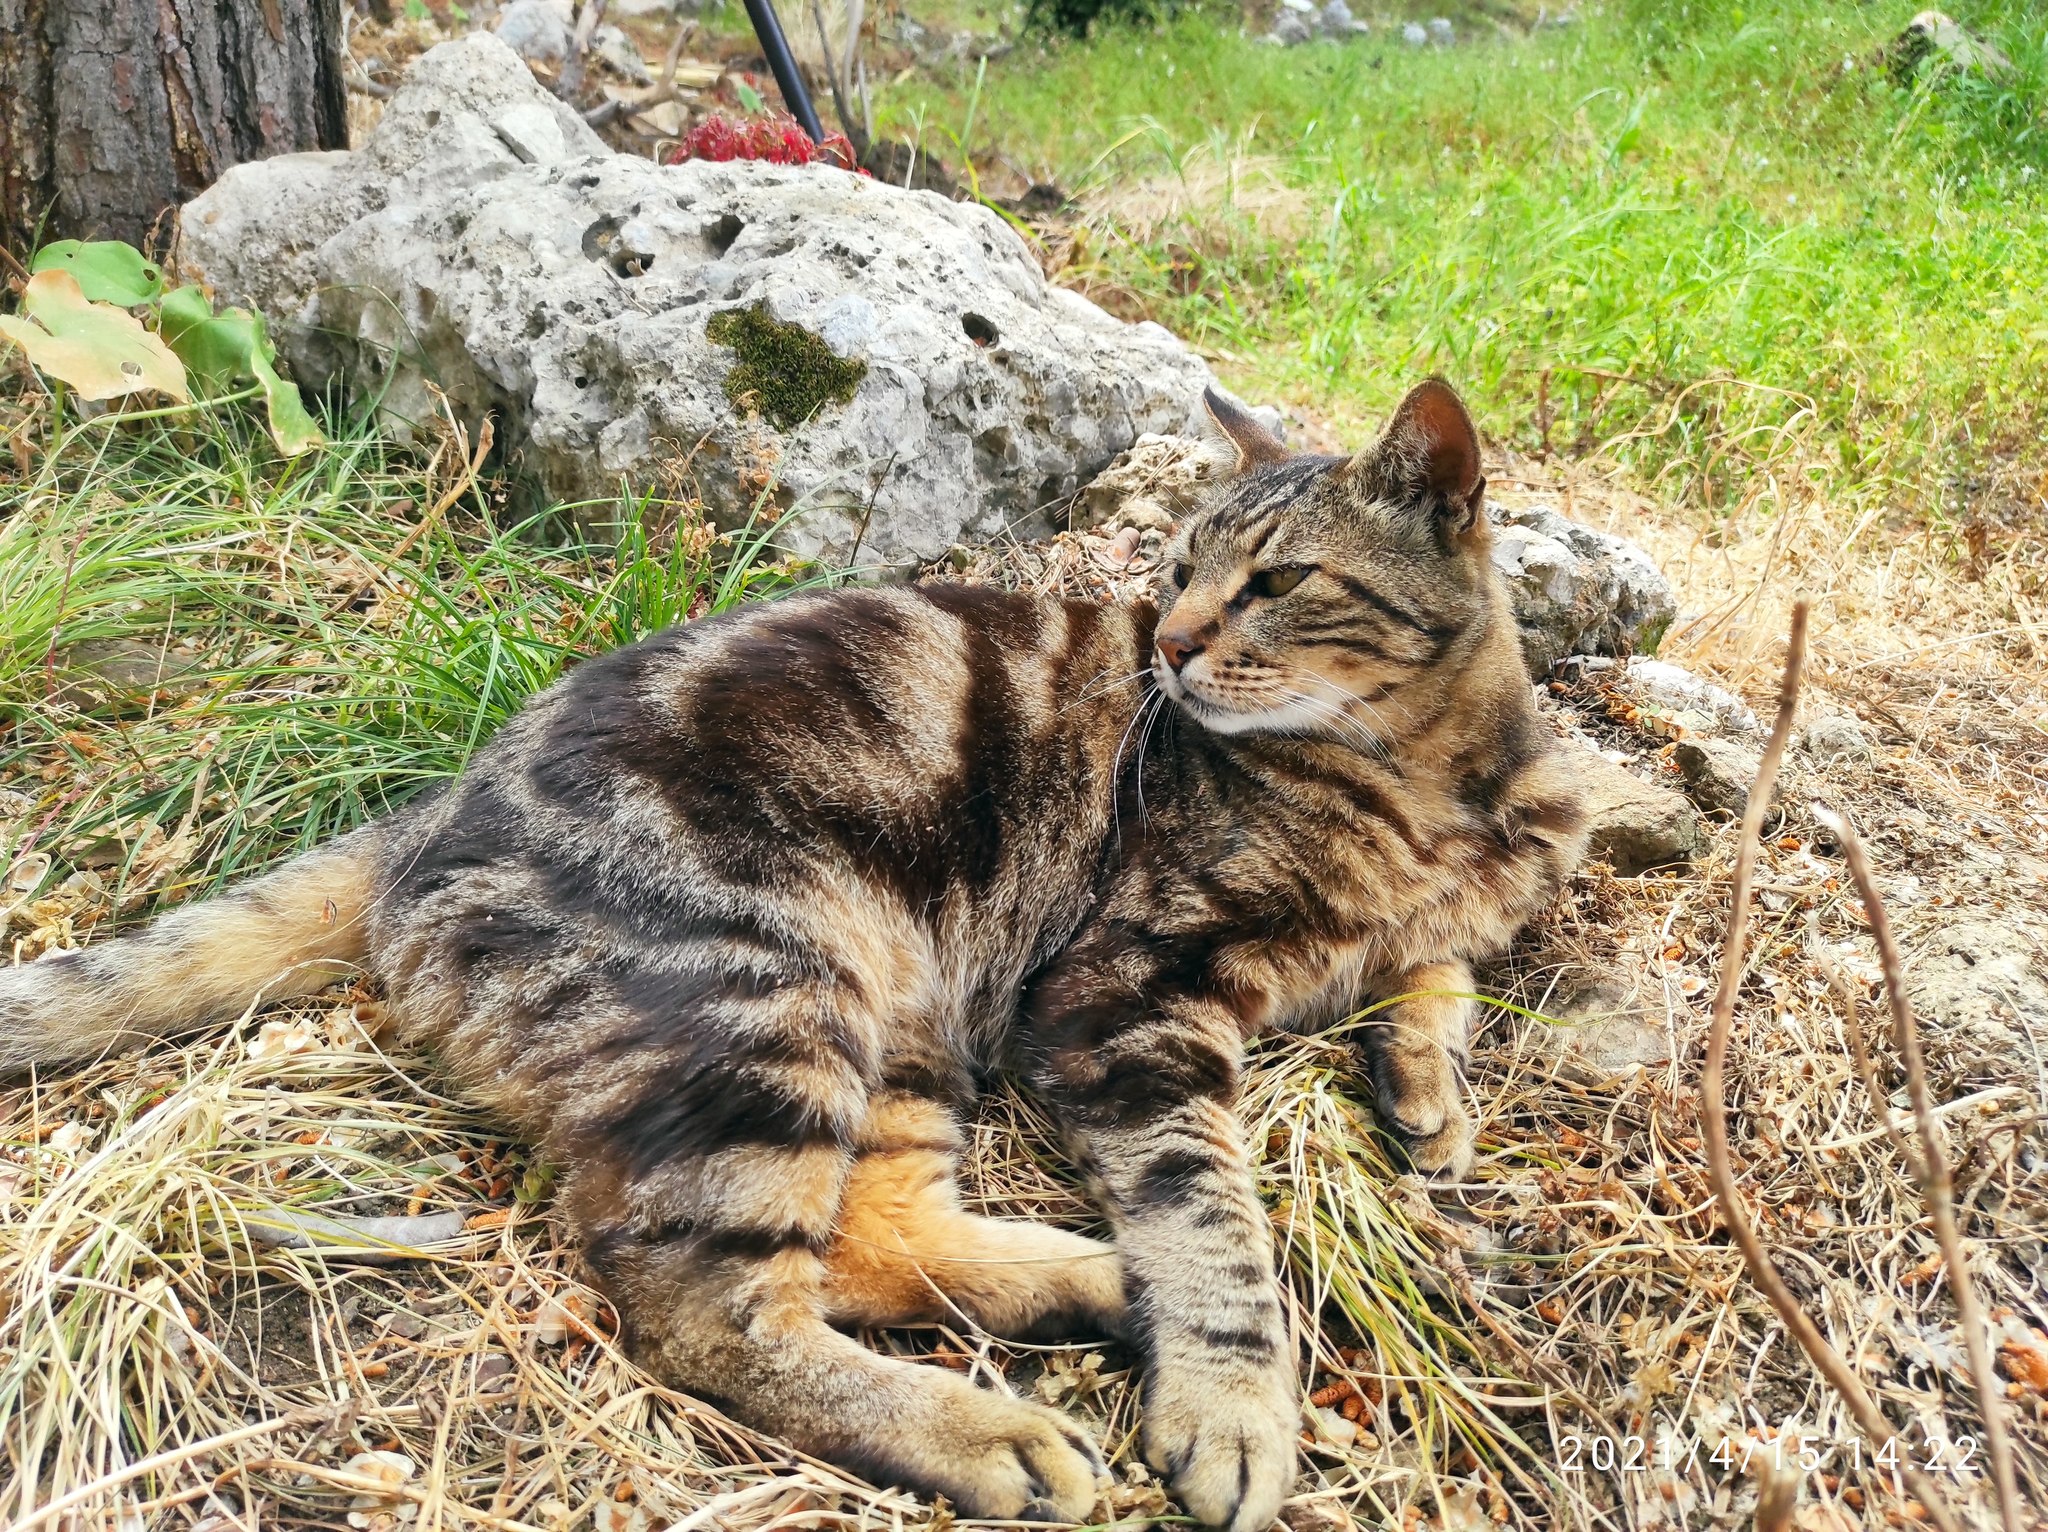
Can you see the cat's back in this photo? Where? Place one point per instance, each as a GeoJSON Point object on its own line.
{"type": "Point", "coordinates": [900, 766]}
{"type": "Point", "coordinates": [931, 698]}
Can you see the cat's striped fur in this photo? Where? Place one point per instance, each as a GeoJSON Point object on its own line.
{"type": "Point", "coordinates": [732, 920]}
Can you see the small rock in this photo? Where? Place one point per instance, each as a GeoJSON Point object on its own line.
{"type": "Point", "coordinates": [1604, 1030]}
{"type": "Point", "coordinates": [1981, 982]}
{"type": "Point", "coordinates": [1674, 689]}
{"type": "Point", "coordinates": [1441, 32]}
{"type": "Point", "coordinates": [1168, 472]}
{"type": "Point", "coordinates": [1576, 590]}
{"type": "Point", "coordinates": [1635, 825]}
{"type": "Point", "coordinates": [1146, 515]}
{"type": "Point", "coordinates": [1415, 35]}
{"type": "Point", "coordinates": [1933, 36]}
{"type": "Point", "coordinates": [1719, 772]}
{"type": "Point", "coordinates": [536, 30]}
{"type": "Point", "coordinates": [121, 671]}
{"type": "Point", "coordinates": [1291, 29]}
{"type": "Point", "coordinates": [611, 47]}
{"type": "Point", "coordinates": [1338, 23]}
{"type": "Point", "coordinates": [1833, 739]}
{"type": "Point", "coordinates": [666, 119]}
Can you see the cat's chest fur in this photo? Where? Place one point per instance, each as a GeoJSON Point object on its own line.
{"type": "Point", "coordinates": [1313, 892]}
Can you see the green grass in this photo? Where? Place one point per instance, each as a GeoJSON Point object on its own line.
{"type": "Point", "coordinates": [322, 660]}
{"type": "Point", "coordinates": [1723, 251]}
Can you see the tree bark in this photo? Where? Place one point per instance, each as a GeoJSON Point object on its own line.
{"type": "Point", "coordinates": [113, 112]}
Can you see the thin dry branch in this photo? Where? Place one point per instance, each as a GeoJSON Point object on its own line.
{"type": "Point", "coordinates": [1931, 1170]}
{"type": "Point", "coordinates": [1714, 1112]}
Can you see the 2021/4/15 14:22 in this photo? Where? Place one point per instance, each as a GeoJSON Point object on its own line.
{"type": "Point", "coordinates": [1805, 1451]}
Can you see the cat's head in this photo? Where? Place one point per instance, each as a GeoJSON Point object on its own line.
{"type": "Point", "coordinates": [1323, 595]}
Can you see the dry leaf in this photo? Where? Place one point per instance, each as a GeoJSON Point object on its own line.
{"type": "Point", "coordinates": [664, 119]}
{"type": "Point", "coordinates": [100, 351]}
{"type": "Point", "coordinates": [612, 1516]}
{"type": "Point", "coordinates": [281, 1039]}
{"type": "Point", "coordinates": [389, 1470]}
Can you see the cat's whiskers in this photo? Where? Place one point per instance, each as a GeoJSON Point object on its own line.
{"type": "Point", "coordinates": [1151, 703]}
{"type": "Point", "coordinates": [1348, 729]}
{"type": "Point", "coordinates": [1101, 688]}
{"type": "Point", "coordinates": [1144, 739]}
{"type": "Point", "coordinates": [1342, 703]}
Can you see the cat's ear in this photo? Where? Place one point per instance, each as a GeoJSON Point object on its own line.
{"type": "Point", "coordinates": [1430, 454]}
{"type": "Point", "coordinates": [1243, 443]}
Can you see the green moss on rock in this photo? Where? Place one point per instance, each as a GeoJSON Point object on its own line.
{"type": "Point", "coordinates": [783, 370]}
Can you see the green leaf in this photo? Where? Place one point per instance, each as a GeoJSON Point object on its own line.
{"type": "Point", "coordinates": [750, 99]}
{"type": "Point", "coordinates": [216, 348]}
{"type": "Point", "coordinates": [101, 351]}
{"type": "Point", "coordinates": [233, 347]}
{"type": "Point", "coordinates": [107, 271]}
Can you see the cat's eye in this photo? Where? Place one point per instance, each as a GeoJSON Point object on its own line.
{"type": "Point", "coordinates": [1278, 581]}
{"type": "Point", "coordinates": [1182, 573]}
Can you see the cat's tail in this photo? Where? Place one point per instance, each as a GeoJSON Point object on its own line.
{"type": "Point", "coordinates": [291, 932]}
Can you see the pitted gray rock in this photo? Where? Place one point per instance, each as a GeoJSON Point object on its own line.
{"type": "Point", "coordinates": [1576, 589]}
{"type": "Point", "coordinates": [485, 241]}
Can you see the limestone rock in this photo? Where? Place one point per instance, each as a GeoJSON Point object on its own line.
{"type": "Point", "coordinates": [1441, 32]}
{"type": "Point", "coordinates": [1291, 28]}
{"type": "Point", "coordinates": [536, 30]}
{"type": "Point", "coordinates": [1606, 1029]}
{"type": "Point", "coordinates": [1167, 472]}
{"type": "Point", "coordinates": [485, 238]}
{"type": "Point", "coordinates": [1833, 738]}
{"type": "Point", "coordinates": [1719, 772]}
{"type": "Point", "coordinates": [1337, 21]}
{"type": "Point", "coordinates": [1688, 699]}
{"type": "Point", "coordinates": [1415, 34]}
{"type": "Point", "coordinates": [1935, 39]}
{"type": "Point", "coordinates": [1982, 983]}
{"type": "Point", "coordinates": [1577, 590]}
{"type": "Point", "coordinates": [611, 47]}
{"type": "Point", "coordinates": [1635, 825]}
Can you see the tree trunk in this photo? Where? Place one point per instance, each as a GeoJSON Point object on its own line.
{"type": "Point", "coordinates": [113, 112]}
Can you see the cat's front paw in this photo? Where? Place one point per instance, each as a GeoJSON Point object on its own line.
{"type": "Point", "coordinates": [1226, 1448]}
{"type": "Point", "coordinates": [1420, 1100]}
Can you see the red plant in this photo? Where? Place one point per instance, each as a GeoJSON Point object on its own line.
{"type": "Point", "coordinates": [778, 140]}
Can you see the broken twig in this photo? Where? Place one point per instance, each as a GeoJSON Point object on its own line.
{"type": "Point", "coordinates": [1714, 1111]}
{"type": "Point", "coordinates": [1930, 1168]}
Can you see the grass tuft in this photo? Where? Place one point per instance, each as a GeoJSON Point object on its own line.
{"type": "Point", "coordinates": [209, 656]}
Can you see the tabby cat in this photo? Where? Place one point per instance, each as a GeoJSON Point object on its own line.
{"type": "Point", "coordinates": [733, 920]}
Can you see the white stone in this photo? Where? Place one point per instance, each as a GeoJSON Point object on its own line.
{"type": "Point", "coordinates": [568, 295]}
{"type": "Point", "coordinates": [611, 47]}
{"type": "Point", "coordinates": [1677, 690]}
{"type": "Point", "coordinates": [1577, 590]}
{"type": "Point", "coordinates": [1415, 35]}
{"type": "Point", "coordinates": [1291, 28]}
{"type": "Point", "coordinates": [536, 30]}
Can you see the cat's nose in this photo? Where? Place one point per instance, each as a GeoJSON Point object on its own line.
{"type": "Point", "coordinates": [1177, 650]}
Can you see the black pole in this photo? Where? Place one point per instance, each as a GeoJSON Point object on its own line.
{"type": "Point", "coordinates": [783, 67]}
